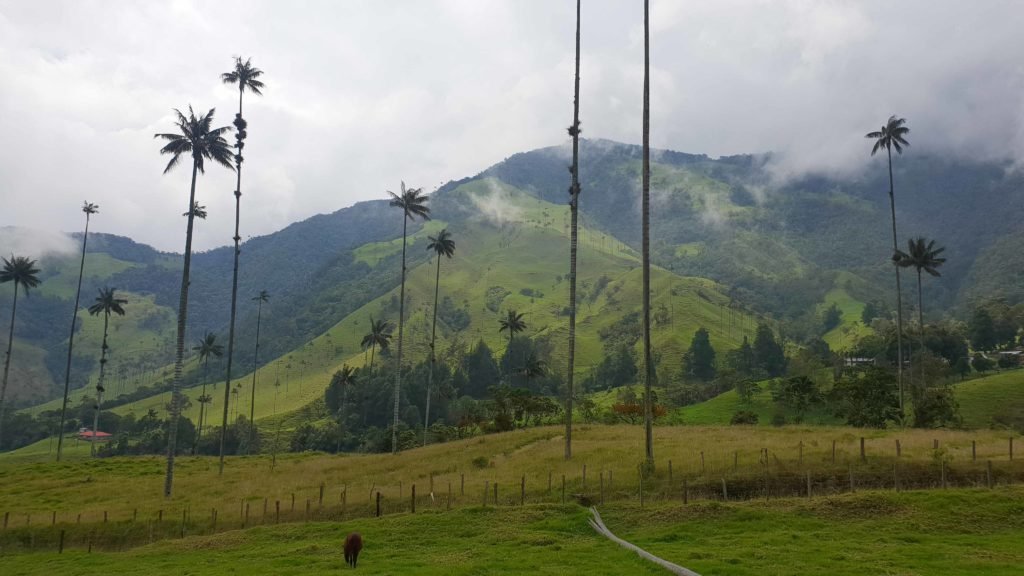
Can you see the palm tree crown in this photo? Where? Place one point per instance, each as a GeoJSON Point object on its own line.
{"type": "Point", "coordinates": [442, 244]}
{"type": "Point", "coordinates": [245, 75]}
{"type": "Point", "coordinates": [21, 271]}
{"type": "Point", "coordinates": [890, 136]}
{"type": "Point", "coordinates": [89, 208]}
{"type": "Point", "coordinates": [208, 347]}
{"type": "Point", "coordinates": [923, 255]}
{"type": "Point", "coordinates": [263, 296]}
{"type": "Point", "coordinates": [513, 323]}
{"type": "Point", "coordinates": [379, 335]}
{"type": "Point", "coordinates": [198, 211]}
{"type": "Point", "coordinates": [198, 139]}
{"type": "Point", "coordinates": [108, 303]}
{"type": "Point", "coordinates": [412, 201]}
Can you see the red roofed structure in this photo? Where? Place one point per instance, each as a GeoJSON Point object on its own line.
{"type": "Point", "coordinates": [90, 436]}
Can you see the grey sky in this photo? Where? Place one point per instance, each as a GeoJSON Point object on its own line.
{"type": "Point", "coordinates": [363, 94]}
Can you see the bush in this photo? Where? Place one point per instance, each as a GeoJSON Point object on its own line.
{"type": "Point", "coordinates": [480, 462]}
{"type": "Point", "coordinates": [779, 420]}
{"type": "Point", "coordinates": [744, 417]}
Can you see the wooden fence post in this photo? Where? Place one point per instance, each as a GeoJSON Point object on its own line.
{"type": "Point", "coordinates": [293, 501]}
{"type": "Point", "coordinates": [549, 481]}
{"type": "Point", "coordinates": [686, 493]}
{"type": "Point", "coordinates": [79, 519]}
{"type": "Point", "coordinates": [988, 473]}
{"type": "Point", "coordinates": [487, 488]}
{"type": "Point", "coordinates": [53, 521]}
{"type": "Point", "coordinates": [184, 516]}
{"type": "Point", "coordinates": [899, 448]}
{"type": "Point", "coordinates": [1011, 447]}
{"type": "Point", "coordinates": [669, 472]}
{"type": "Point", "coordinates": [378, 504]}
{"type": "Point", "coordinates": [585, 476]}
{"type": "Point", "coordinates": [808, 484]}
{"type": "Point", "coordinates": [801, 460]}
{"type": "Point", "coordinates": [495, 493]}
{"type": "Point", "coordinates": [935, 444]}
{"type": "Point", "coordinates": [863, 455]}
{"type": "Point", "coordinates": [60, 548]}
{"type": "Point", "coordinates": [833, 451]}
{"type": "Point", "coordinates": [306, 518]}
{"type": "Point", "coordinates": [462, 484]}
{"type": "Point", "coordinates": [320, 504]}
{"type": "Point", "coordinates": [159, 516]}
{"type": "Point", "coordinates": [602, 488]}
{"type": "Point", "coordinates": [413, 498]}
{"type": "Point", "coordinates": [448, 502]}
{"type": "Point", "coordinates": [104, 516]}
{"type": "Point", "coordinates": [245, 522]}
{"type": "Point", "coordinates": [974, 450]}
{"type": "Point", "coordinates": [942, 470]}
{"type": "Point", "coordinates": [277, 512]}
{"type": "Point", "coordinates": [641, 470]}
{"type": "Point", "coordinates": [264, 519]}
{"type": "Point", "coordinates": [701, 461]}
{"type": "Point", "coordinates": [563, 488]}
{"type": "Point", "coordinates": [725, 491]}
{"type": "Point", "coordinates": [7, 516]}
{"type": "Point", "coordinates": [522, 490]}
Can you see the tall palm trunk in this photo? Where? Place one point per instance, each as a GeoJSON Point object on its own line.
{"type": "Point", "coordinates": [179, 353]}
{"type": "Point", "coordinates": [433, 340]}
{"type": "Point", "coordinates": [646, 177]}
{"type": "Point", "coordinates": [99, 384]}
{"type": "Point", "coordinates": [573, 240]}
{"type": "Point", "coordinates": [202, 407]}
{"type": "Point", "coordinates": [255, 370]}
{"type": "Point", "coordinates": [71, 342]}
{"type": "Point", "coordinates": [920, 322]}
{"type": "Point", "coordinates": [7, 362]}
{"type": "Point", "coordinates": [235, 296]}
{"type": "Point", "coordinates": [401, 325]}
{"type": "Point", "coordinates": [899, 290]}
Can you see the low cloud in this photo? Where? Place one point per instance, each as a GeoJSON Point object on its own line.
{"type": "Point", "coordinates": [496, 206]}
{"type": "Point", "coordinates": [35, 243]}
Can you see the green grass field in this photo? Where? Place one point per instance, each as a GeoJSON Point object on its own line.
{"type": "Point", "coordinates": [982, 399]}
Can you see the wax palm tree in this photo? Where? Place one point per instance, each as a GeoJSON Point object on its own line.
{"type": "Point", "coordinates": [379, 336]}
{"type": "Point", "coordinates": [922, 255]}
{"type": "Point", "coordinates": [23, 273]}
{"type": "Point", "coordinates": [532, 368]}
{"type": "Point", "coordinates": [574, 203]}
{"type": "Point", "coordinates": [344, 379]}
{"type": "Point", "coordinates": [197, 211]}
{"type": "Point", "coordinates": [198, 139]}
{"type": "Point", "coordinates": [441, 245]}
{"type": "Point", "coordinates": [413, 205]}
{"type": "Point", "coordinates": [89, 209]}
{"type": "Point", "coordinates": [646, 192]}
{"type": "Point", "coordinates": [246, 76]}
{"type": "Point", "coordinates": [208, 347]}
{"type": "Point", "coordinates": [107, 303]}
{"type": "Point", "coordinates": [260, 298]}
{"type": "Point", "coordinates": [893, 135]}
{"type": "Point", "coordinates": [512, 323]}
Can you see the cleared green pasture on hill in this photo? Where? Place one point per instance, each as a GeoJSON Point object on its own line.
{"type": "Point", "coordinates": [850, 328]}
{"type": "Point", "coordinates": [60, 274]}
{"type": "Point", "coordinates": [982, 399]}
{"type": "Point", "coordinates": [720, 410]}
{"type": "Point", "coordinates": [970, 532]}
{"type": "Point", "coordinates": [520, 259]}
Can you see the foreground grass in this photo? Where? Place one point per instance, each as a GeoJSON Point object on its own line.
{"type": "Point", "coordinates": [971, 532]}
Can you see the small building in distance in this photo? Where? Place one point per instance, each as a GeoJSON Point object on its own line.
{"type": "Point", "coordinates": [90, 436]}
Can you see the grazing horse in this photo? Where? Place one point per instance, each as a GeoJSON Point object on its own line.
{"type": "Point", "coordinates": [353, 544]}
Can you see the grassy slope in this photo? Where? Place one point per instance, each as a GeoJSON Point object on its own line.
{"type": "Point", "coordinates": [961, 532]}
{"type": "Point", "coordinates": [982, 398]}
{"type": "Point", "coordinates": [720, 409]}
{"type": "Point", "coordinates": [850, 328]}
{"type": "Point", "coordinates": [526, 250]}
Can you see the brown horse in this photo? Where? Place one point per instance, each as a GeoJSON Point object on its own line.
{"type": "Point", "coordinates": [353, 544]}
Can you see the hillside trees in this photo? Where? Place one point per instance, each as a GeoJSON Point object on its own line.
{"type": "Point", "coordinates": [260, 298]}
{"type": "Point", "coordinates": [769, 357]}
{"type": "Point", "coordinates": [89, 209]}
{"type": "Point", "coordinates": [699, 360]}
{"type": "Point", "coordinates": [412, 202]}
{"type": "Point", "coordinates": [24, 274]}
{"type": "Point", "coordinates": [893, 135]}
{"type": "Point", "coordinates": [197, 138]}
{"type": "Point", "coordinates": [379, 336]}
{"type": "Point", "coordinates": [208, 347]}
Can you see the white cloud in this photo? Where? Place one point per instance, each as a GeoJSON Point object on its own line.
{"type": "Point", "coordinates": [362, 94]}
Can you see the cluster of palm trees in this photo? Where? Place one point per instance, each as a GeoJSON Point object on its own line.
{"type": "Point", "coordinates": [922, 254]}
{"type": "Point", "coordinates": [197, 138]}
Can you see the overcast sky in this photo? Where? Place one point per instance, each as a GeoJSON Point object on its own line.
{"type": "Point", "coordinates": [362, 94]}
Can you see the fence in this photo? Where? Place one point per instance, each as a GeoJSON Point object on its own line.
{"type": "Point", "coordinates": [720, 479]}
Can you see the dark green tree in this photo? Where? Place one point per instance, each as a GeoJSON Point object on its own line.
{"type": "Point", "coordinates": [512, 323]}
{"type": "Point", "coordinates": [89, 209]}
{"type": "Point", "coordinates": [481, 371]}
{"type": "Point", "coordinates": [24, 274]}
{"type": "Point", "coordinates": [922, 255]}
{"type": "Point", "coordinates": [412, 201]}
{"type": "Point", "coordinates": [893, 135]}
{"type": "Point", "coordinates": [197, 138]}
{"type": "Point", "coordinates": [768, 354]}
{"type": "Point", "coordinates": [443, 246]}
{"type": "Point", "coordinates": [699, 360]}
{"type": "Point", "coordinates": [107, 303]}
{"type": "Point", "coordinates": [832, 317]}
{"type": "Point", "coordinates": [981, 330]}
{"type": "Point", "coordinates": [866, 399]}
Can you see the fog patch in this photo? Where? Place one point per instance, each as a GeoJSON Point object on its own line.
{"type": "Point", "coordinates": [495, 205]}
{"type": "Point", "coordinates": [34, 243]}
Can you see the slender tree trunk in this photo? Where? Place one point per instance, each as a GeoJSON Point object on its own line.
{"type": "Point", "coordinates": [920, 322]}
{"type": "Point", "coordinates": [574, 192]}
{"type": "Point", "coordinates": [179, 354]}
{"type": "Point", "coordinates": [401, 324]}
{"type": "Point", "coordinates": [202, 407]}
{"type": "Point", "coordinates": [99, 384]}
{"type": "Point", "coordinates": [71, 342]}
{"type": "Point", "coordinates": [433, 340]}
{"type": "Point", "coordinates": [255, 370]}
{"type": "Point", "coordinates": [648, 362]}
{"type": "Point", "coordinates": [373, 349]}
{"type": "Point", "coordinates": [7, 361]}
{"type": "Point", "coordinates": [899, 290]}
{"type": "Point", "coordinates": [234, 296]}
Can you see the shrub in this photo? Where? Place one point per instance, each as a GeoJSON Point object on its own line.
{"type": "Point", "coordinates": [743, 417]}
